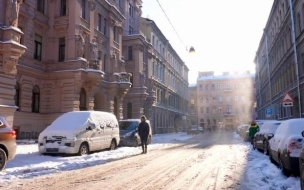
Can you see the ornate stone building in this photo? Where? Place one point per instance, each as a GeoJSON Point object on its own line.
{"type": "Point", "coordinates": [280, 61]}
{"type": "Point", "coordinates": [73, 60]}
{"type": "Point", "coordinates": [167, 82]}
{"type": "Point", "coordinates": [226, 100]}
{"type": "Point", "coordinates": [64, 55]}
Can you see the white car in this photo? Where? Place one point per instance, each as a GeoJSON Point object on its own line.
{"type": "Point", "coordinates": [80, 132]}
{"type": "Point", "coordinates": [286, 145]}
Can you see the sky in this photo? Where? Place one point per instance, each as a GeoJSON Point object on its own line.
{"type": "Point", "coordinates": [29, 163]}
{"type": "Point", "coordinates": [225, 33]}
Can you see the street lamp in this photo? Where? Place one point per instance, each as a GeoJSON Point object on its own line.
{"type": "Point", "coordinates": [191, 50]}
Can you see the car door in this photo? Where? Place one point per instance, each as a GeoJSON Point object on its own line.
{"type": "Point", "coordinates": [274, 142]}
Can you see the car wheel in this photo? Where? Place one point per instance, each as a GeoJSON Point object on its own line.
{"type": "Point", "coordinates": [3, 159]}
{"type": "Point", "coordinates": [265, 148]}
{"type": "Point", "coordinates": [135, 142]}
{"type": "Point", "coordinates": [302, 173]}
{"type": "Point", "coordinates": [270, 158]}
{"type": "Point", "coordinates": [282, 167]}
{"type": "Point", "coordinates": [113, 145]}
{"type": "Point", "coordinates": [83, 149]}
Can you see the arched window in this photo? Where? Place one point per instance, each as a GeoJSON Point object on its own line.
{"type": "Point", "coordinates": [202, 120]}
{"type": "Point", "coordinates": [17, 95]}
{"type": "Point", "coordinates": [129, 110]}
{"type": "Point", "coordinates": [35, 99]}
{"type": "Point", "coordinates": [82, 100]}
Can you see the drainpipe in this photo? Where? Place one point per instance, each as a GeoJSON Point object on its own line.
{"type": "Point", "coordinates": [268, 68]}
{"type": "Point", "coordinates": [295, 56]}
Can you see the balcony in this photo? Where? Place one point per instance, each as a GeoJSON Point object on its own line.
{"type": "Point", "coordinates": [228, 114]}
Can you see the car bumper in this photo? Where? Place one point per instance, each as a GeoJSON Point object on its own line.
{"type": "Point", "coordinates": [291, 163]}
{"type": "Point", "coordinates": [126, 141]}
{"type": "Point", "coordinates": [12, 148]}
{"type": "Point", "coordinates": [59, 149]}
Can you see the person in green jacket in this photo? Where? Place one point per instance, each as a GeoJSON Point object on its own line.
{"type": "Point", "coordinates": [253, 129]}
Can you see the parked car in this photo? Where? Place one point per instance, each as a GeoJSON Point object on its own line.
{"type": "Point", "coordinates": [301, 161]}
{"type": "Point", "coordinates": [128, 131]}
{"type": "Point", "coordinates": [201, 129]}
{"type": "Point", "coordinates": [265, 133]}
{"type": "Point", "coordinates": [286, 145]}
{"type": "Point", "coordinates": [80, 132]}
{"type": "Point", "coordinates": [193, 129]}
{"type": "Point", "coordinates": [8, 144]}
{"type": "Point", "coordinates": [244, 131]}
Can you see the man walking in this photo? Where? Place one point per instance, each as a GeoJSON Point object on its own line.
{"type": "Point", "coordinates": [253, 129]}
{"type": "Point", "coordinates": [143, 131]}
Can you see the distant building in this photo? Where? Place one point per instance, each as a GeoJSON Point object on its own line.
{"type": "Point", "coordinates": [224, 100]}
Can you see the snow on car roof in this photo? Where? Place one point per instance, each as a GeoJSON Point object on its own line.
{"type": "Point", "coordinates": [292, 126]}
{"type": "Point", "coordinates": [77, 119]}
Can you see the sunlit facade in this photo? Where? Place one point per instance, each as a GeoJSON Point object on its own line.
{"type": "Point", "coordinates": [280, 62]}
{"type": "Point", "coordinates": [224, 101]}
{"type": "Point", "coordinates": [167, 79]}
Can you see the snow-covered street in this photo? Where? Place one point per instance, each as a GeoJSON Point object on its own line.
{"type": "Point", "coordinates": [219, 160]}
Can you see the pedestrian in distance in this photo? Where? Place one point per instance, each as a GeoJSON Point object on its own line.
{"type": "Point", "coordinates": [144, 131]}
{"type": "Point", "coordinates": [253, 129]}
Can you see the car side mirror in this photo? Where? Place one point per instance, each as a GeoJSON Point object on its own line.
{"type": "Point", "coordinates": [270, 135]}
{"type": "Point", "coordinates": [1, 123]}
{"type": "Point", "coordinates": [302, 133]}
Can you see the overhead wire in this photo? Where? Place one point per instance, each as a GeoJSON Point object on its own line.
{"type": "Point", "coordinates": [171, 24]}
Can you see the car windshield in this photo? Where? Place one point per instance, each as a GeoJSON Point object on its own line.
{"type": "Point", "coordinates": [127, 125]}
{"type": "Point", "coordinates": [194, 127]}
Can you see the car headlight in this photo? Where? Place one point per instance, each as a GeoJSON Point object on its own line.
{"type": "Point", "coordinates": [128, 134]}
{"type": "Point", "coordinates": [71, 144]}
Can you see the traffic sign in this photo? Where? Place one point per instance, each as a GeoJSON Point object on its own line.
{"type": "Point", "coordinates": [287, 98]}
{"type": "Point", "coordinates": [268, 111]}
{"type": "Point", "coordinates": [287, 104]}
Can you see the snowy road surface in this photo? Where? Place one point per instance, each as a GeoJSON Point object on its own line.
{"type": "Point", "coordinates": [204, 162]}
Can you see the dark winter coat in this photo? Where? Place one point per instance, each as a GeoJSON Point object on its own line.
{"type": "Point", "coordinates": [143, 129]}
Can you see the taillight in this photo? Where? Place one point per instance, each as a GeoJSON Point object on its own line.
{"type": "Point", "coordinates": [13, 133]}
{"type": "Point", "coordinates": [294, 144]}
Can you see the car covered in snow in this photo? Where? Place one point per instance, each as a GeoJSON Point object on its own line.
{"type": "Point", "coordinates": [286, 145]}
{"type": "Point", "coordinates": [128, 130]}
{"type": "Point", "coordinates": [265, 133]}
{"type": "Point", "coordinates": [8, 144]}
{"type": "Point", "coordinates": [80, 132]}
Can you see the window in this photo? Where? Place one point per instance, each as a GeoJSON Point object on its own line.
{"type": "Point", "coordinates": [82, 100]}
{"type": "Point", "coordinates": [202, 109]}
{"type": "Point", "coordinates": [99, 23]}
{"type": "Point", "coordinates": [235, 85]}
{"type": "Point", "coordinates": [219, 87]}
{"type": "Point", "coordinates": [227, 86]}
{"type": "Point", "coordinates": [105, 26]}
{"type": "Point", "coordinates": [130, 53]}
{"type": "Point", "coordinates": [192, 102]}
{"type": "Point", "coordinates": [228, 99]}
{"type": "Point", "coordinates": [35, 99]}
{"type": "Point", "coordinates": [83, 7]}
{"type": "Point", "coordinates": [129, 110]}
{"type": "Point", "coordinates": [219, 99]}
{"type": "Point", "coordinates": [21, 40]}
{"type": "Point", "coordinates": [17, 95]}
{"type": "Point", "coordinates": [38, 47]}
{"type": "Point", "coordinates": [40, 6]}
{"type": "Point", "coordinates": [236, 98]}
{"type": "Point", "coordinates": [207, 109]}
{"type": "Point", "coordinates": [61, 49]}
{"type": "Point", "coordinates": [131, 10]}
{"type": "Point", "coordinates": [206, 87]}
{"type": "Point", "coordinates": [130, 30]}
{"type": "Point", "coordinates": [213, 86]}
{"type": "Point", "coordinates": [115, 34]}
{"type": "Point", "coordinates": [62, 7]}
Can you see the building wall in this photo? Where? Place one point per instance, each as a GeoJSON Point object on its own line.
{"type": "Point", "coordinates": [89, 75]}
{"type": "Point", "coordinates": [167, 82]}
{"type": "Point", "coordinates": [225, 101]}
{"type": "Point", "coordinates": [278, 69]}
